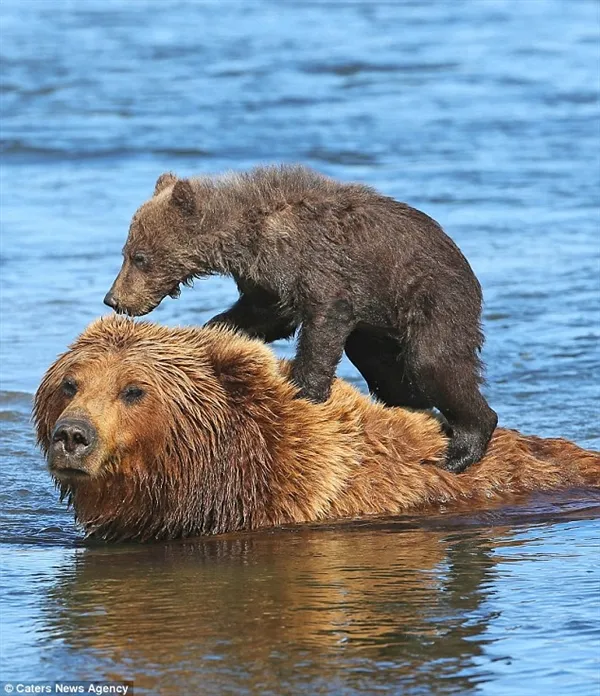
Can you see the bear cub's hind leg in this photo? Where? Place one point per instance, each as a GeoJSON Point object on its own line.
{"type": "Point", "coordinates": [414, 378]}
{"type": "Point", "coordinates": [381, 363]}
{"type": "Point", "coordinates": [453, 388]}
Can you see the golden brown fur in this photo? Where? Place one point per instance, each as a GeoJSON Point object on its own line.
{"type": "Point", "coordinates": [218, 443]}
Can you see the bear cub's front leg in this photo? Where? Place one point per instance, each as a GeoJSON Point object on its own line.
{"type": "Point", "coordinates": [320, 347]}
{"type": "Point", "coordinates": [257, 313]}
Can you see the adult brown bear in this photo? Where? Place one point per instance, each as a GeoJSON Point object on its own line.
{"type": "Point", "coordinates": [154, 433]}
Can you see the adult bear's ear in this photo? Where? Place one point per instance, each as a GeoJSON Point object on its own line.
{"type": "Point", "coordinates": [164, 180]}
{"type": "Point", "coordinates": [183, 197]}
{"type": "Point", "coordinates": [236, 374]}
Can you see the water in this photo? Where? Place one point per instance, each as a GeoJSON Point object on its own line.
{"type": "Point", "coordinates": [486, 115]}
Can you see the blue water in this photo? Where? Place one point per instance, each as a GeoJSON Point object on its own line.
{"type": "Point", "coordinates": [483, 113]}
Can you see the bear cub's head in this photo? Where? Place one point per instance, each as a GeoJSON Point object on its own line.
{"type": "Point", "coordinates": [156, 256]}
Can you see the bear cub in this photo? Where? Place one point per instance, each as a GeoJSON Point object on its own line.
{"type": "Point", "coordinates": [349, 268]}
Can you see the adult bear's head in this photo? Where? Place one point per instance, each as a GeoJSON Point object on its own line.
{"type": "Point", "coordinates": [153, 432]}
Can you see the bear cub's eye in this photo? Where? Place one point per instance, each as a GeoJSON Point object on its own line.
{"type": "Point", "coordinates": [69, 387]}
{"type": "Point", "coordinates": [140, 260]}
{"type": "Point", "coordinates": [132, 394]}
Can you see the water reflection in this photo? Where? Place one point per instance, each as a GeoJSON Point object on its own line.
{"type": "Point", "coordinates": [284, 610]}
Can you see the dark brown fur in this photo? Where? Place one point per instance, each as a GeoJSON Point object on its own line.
{"type": "Point", "coordinates": [219, 443]}
{"type": "Point", "coordinates": [353, 269]}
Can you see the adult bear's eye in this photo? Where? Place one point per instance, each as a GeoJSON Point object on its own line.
{"type": "Point", "coordinates": [69, 387]}
{"type": "Point", "coordinates": [132, 394]}
{"type": "Point", "coordinates": [140, 260]}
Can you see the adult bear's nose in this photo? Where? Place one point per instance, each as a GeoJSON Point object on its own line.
{"type": "Point", "coordinates": [77, 436]}
{"type": "Point", "coordinates": [110, 300]}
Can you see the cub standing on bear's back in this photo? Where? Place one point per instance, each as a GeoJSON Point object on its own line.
{"type": "Point", "coordinates": [353, 269]}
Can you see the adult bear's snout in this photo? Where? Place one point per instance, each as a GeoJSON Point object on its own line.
{"type": "Point", "coordinates": [73, 440]}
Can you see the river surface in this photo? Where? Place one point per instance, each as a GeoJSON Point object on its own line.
{"type": "Point", "coordinates": [484, 113]}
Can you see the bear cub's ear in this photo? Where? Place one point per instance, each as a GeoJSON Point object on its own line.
{"type": "Point", "coordinates": [164, 180]}
{"type": "Point", "coordinates": [183, 197]}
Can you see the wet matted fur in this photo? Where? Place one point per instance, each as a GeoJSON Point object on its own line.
{"type": "Point", "coordinates": [217, 442]}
